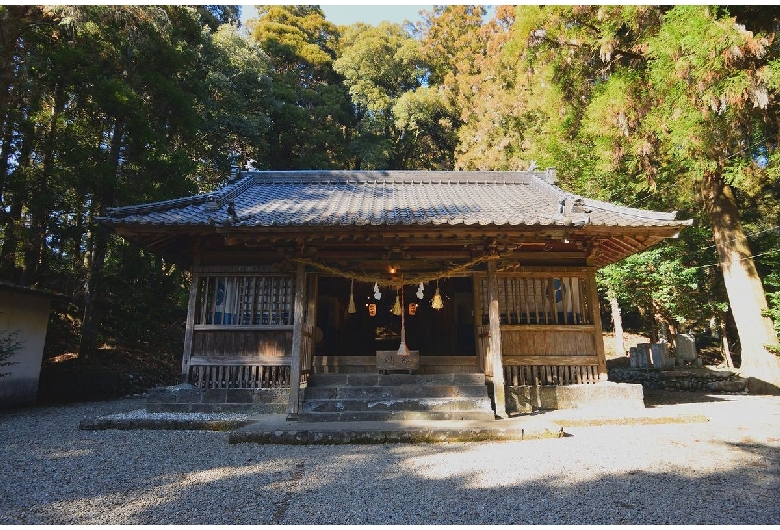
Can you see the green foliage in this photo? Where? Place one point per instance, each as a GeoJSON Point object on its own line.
{"type": "Point", "coordinates": [9, 346]}
{"type": "Point", "coordinates": [114, 105]}
{"type": "Point", "coordinates": [659, 282]}
{"type": "Point", "coordinates": [311, 112]}
{"type": "Point", "coordinates": [380, 65]}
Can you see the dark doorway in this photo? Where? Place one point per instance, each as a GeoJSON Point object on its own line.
{"type": "Point", "coordinates": [447, 331]}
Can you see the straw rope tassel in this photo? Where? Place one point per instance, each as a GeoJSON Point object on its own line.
{"type": "Point", "coordinates": [403, 349]}
{"type": "Point", "coordinates": [437, 303]}
{"type": "Point", "coordinates": [351, 306]}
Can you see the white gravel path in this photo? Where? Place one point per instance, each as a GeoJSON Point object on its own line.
{"type": "Point", "coordinates": [726, 471]}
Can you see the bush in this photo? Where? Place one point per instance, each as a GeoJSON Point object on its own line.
{"type": "Point", "coordinates": [9, 346]}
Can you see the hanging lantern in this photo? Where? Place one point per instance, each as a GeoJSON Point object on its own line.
{"type": "Point", "coordinates": [412, 309]}
{"type": "Point", "coordinates": [371, 310]}
{"type": "Point", "coordinates": [437, 303]}
{"type": "Point", "coordinates": [351, 307]}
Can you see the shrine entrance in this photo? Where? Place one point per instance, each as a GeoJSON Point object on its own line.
{"type": "Point", "coordinates": [373, 326]}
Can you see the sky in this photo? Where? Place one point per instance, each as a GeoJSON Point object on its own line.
{"type": "Point", "coordinates": [370, 14]}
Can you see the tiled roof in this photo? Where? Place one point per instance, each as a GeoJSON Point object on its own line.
{"type": "Point", "coordinates": [388, 198]}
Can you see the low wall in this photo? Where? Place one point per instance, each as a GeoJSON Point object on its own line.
{"type": "Point", "coordinates": [703, 379]}
{"type": "Point", "coordinates": [25, 313]}
{"type": "Point", "coordinates": [605, 396]}
{"type": "Point", "coordinates": [187, 398]}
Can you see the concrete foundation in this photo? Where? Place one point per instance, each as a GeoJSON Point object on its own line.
{"type": "Point", "coordinates": [187, 398]}
{"type": "Point", "coordinates": [607, 396]}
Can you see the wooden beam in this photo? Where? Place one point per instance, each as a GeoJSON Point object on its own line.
{"type": "Point", "coordinates": [311, 312]}
{"type": "Point", "coordinates": [297, 342]}
{"type": "Point", "coordinates": [593, 302]}
{"type": "Point", "coordinates": [189, 328]}
{"type": "Point", "coordinates": [494, 318]}
{"type": "Point", "coordinates": [240, 360]}
{"type": "Point", "coordinates": [476, 285]}
{"type": "Point", "coordinates": [550, 360]}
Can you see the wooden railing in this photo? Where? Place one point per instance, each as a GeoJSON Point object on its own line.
{"type": "Point", "coordinates": [554, 370]}
{"type": "Point", "coordinates": [307, 351]}
{"type": "Point", "coordinates": [528, 357]}
{"type": "Point", "coordinates": [240, 372]}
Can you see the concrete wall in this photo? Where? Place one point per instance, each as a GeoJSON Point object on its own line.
{"type": "Point", "coordinates": [603, 396]}
{"type": "Point", "coordinates": [29, 314]}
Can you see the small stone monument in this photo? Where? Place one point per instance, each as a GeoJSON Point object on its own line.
{"type": "Point", "coordinates": [640, 356]}
{"type": "Point", "coordinates": [660, 355]}
{"type": "Point", "coordinates": [685, 350]}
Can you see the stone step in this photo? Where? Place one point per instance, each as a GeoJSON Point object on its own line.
{"type": "Point", "coordinates": [394, 392]}
{"type": "Point", "coordinates": [399, 405]}
{"type": "Point", "coordinates": [383, 397]}
{"type": "Point", "coordinates": [387, 415]}
{"type": "Point", "coordinates": [362, 380]}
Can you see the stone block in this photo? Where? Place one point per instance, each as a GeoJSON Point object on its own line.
{"type": "Point", "coordinates": [238, 395]}
{"type": "Point", "coordinates": [271, 396]}
{"type": "Point", "coordinates": [685, 348]}
{"type": "Point", "coordinates": [606, 397]}
{"type": "Point", "coordinates": [736, 385]}
{"type": "Point", "coordinates": [215, 395]}
{"type": "Point", "coordinates": [640, 356]}
{"type": "Point", "coordinates": [660, 355]}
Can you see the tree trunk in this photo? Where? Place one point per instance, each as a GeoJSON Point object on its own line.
{"type": "Point", "coordinates": [743, 286]}
{"type": "Point", "coordinates": [14, 228]}
{"type": "Point", "coordinates": [724, 337]}
{"type": "Point", "coordinates": [40, 200]}
{"type": "Point", "coordinates": [96, 261]}
{"type": "Point", "coordinates": [617, 323]}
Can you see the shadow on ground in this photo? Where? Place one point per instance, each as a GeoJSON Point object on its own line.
{"type": "Point", "coordinates": [654, 398]}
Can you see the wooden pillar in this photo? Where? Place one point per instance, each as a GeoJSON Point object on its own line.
{"type": "Point", "coordinates": [495, 360]}
{"type": "Point", "coordinates": [295, 368]}
{"type": "Point", "coordinates": [189, 327]}
{"type": "Point", "coordinates": [311, 314]}
{"type": "Point", "coordinates": [476, 281]}
{"type": "Point", "coordinates": [595, 315]}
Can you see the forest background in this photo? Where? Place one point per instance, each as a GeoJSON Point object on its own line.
{"type": "Point", "coordinates": [659, 107]}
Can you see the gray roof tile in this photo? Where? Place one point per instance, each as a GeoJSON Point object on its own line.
{"type": "Point", "coordinates": [386, 198]}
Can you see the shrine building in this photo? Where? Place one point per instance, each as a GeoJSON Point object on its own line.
{"type": "Point", "coordinates": [300, 274]}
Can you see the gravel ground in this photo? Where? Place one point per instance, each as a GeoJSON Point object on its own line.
{"type": "Point", "coordinates": [726, 471]}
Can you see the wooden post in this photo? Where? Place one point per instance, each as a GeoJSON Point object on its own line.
{"type": "Point", "coordinates": [494, 317]}
{"type": "Point", "coordinates": [476, 284]}
{"type": "Point", "coordinates": [295, 368]}
{"type": "Point", "coordinates": [189, 327]}
{"type": "Point", "coordinates": [595, 315]}
{"type": "Point", "coordinates": [311, 313]}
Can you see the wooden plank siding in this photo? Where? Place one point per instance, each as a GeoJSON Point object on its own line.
{"type": "Point", "coordinates": [254, 342]}
{"type": "Point", "coordinates": [550, 326]}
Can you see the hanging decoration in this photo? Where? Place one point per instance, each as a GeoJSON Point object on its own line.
{"type": "Point", "coordinates": [420, 293]}
{"type": "Point", "coordinates": [397, 309]}
{"type": "Point", "coordinates": [437, 303]}
{"type": "Point", "coordinates": [403, 349]}
{"type": "Point", "coordinates": [396, 282]}
{"type": "Point", "coordinates": [371, 310]}
{"type": "Point", "coordinates": [351, 307]}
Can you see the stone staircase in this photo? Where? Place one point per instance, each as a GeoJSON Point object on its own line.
{"type": "Point", "coordinates": [378, 397]}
